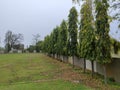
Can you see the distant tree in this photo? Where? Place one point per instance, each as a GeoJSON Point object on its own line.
{"type": "Point", "coordinates": [73, 29]}
{"type": "Point", "coordinates": [7, 47]}
{"type": "Point", "coordinates": [36, 38]}
{"type": "Point", "coordinates": [39, 46]}
{"type": "Point", "coordinates": [31, 48]}
{"type": "Point", "coordinates": [115, 45]}
{"type": "Point", "coordinates": [8, 38]}
{"type": "Point", "coordinates": [103, 43]}
{"type": "Point", "coordinates": [16, 39]}
{"type": "Point", "coordinates": [115, 7]}
{"type": "Point", "coordinates": [12, 39]}
{"type": "Point", "coordinates": [45, 45]}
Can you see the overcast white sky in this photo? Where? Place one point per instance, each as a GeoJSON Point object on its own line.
{"type": "Point", "coordinates": [32, 17]}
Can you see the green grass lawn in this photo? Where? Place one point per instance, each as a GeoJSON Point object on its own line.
{"type": "Point", "coordinates": [32, 72]}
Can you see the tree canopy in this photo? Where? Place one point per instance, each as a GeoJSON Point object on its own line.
{"type": "Point", "coordinates": [12, 39]}
{"type": "Point", "coordinates": [73, 30]}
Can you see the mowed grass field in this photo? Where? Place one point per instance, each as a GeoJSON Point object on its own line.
{"type": "Point", "coordinates": [34, 72]}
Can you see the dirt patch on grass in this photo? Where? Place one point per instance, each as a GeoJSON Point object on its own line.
{"type": "Point", "coordinates": [66, 72]}
{"type": "Point", "coordinates": [77, 77]}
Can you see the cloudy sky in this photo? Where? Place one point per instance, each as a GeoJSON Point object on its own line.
{"type": "Point", "coordinates": [31, 17]}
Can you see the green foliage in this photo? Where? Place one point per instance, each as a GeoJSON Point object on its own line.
{"type": "Point", "coordinates": [51, 44]}
{"type": "Point", "coordinates": [87, 32]}
{"type": "Point", "coordinates": [103, 43]}
{"type": "Point", "coordinates": [12, 39]}
{"type": "Point", "coordinates": [115, 45]}
{"type": "Point", "coordinates": [47, 44]}
{"type": "Point", "coordinates": [56, 34]}
{"type": "Point", "coordinates": [56, 43]}
{"type": "Point", "coordinates": [31, 48]}
{"type": "Point", "coordinates": [73, 30]}
{"type": "Point", "coordinates": [63, 38]}
{"type": "Point", "coordinates": [7, 48]}
{"type": "Point", "coordinates": [39, 46]}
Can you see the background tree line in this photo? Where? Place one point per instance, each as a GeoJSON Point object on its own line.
{"type": "Point", "coordinates": [14, 42]}
{"type": "Point", "coordinates": [36, 46]}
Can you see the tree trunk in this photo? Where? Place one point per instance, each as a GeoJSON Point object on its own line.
{"type": "Point", "coordinates": [53, 55]}
{"type": "Point", "coordinates": [57, 56]}
{"type": "Point", "coordinates": [73, 61]}
{"type": "Point", "coordinates": [92, 64]}
{"type": "Point", "coordinates": [63, 58]}
{"type": "Point", "coordinates": [60, 58]}
{"type": "Point", "coordinates": [66, 59]}
{"type": "Point", "coordinates": [84, 65]}
{"type": "Point", "coordinates": [105, 75]}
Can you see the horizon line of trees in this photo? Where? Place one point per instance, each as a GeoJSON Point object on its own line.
{"type": "Point", "coordinates": [36, 46]}
{"type": "Point", "coordinates": [13, 43]}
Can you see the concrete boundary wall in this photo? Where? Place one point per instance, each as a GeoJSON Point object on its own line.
{"type": "Point", "coordinates": [112, 69]}
{"type": "Point", "coordinates": [65, 59]}
{"type": "Point", "coordinates": [70, 60]}
{"type": "Point", "coordinates": [79, 62]}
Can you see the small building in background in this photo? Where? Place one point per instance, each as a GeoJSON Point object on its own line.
{"type": "Point", "coordinates": [19, 48]}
